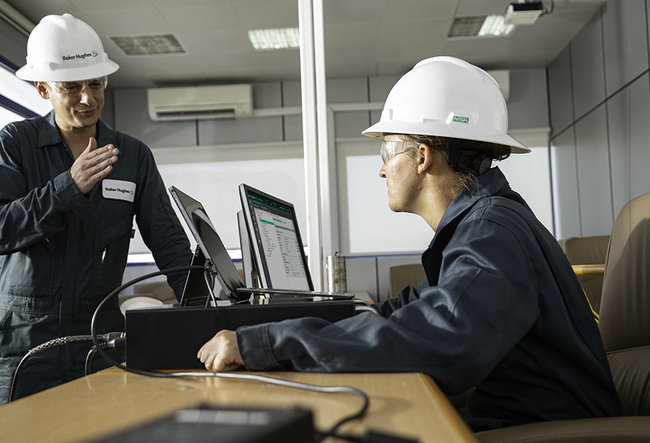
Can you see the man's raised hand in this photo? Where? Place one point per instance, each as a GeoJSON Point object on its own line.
{"type": "Point", "coordinates": [93, 165]}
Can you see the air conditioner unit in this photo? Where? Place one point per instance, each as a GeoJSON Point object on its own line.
{"type": "Point", "coordinates": [200, 102]}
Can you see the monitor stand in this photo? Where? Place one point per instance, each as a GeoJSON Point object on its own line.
{"type": "Point", "coordinates": [196, 291]}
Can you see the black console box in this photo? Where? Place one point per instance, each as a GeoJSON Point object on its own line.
{"type": "Point", "coordinates": [169, 338]}
{"type": "Point", "coordinates": [207, 424]}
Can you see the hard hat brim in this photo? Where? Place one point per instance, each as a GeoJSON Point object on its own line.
{"type": "Point", "coordinates": [68, 75]}
{"type": "Point", "coordinates": [378, 130]}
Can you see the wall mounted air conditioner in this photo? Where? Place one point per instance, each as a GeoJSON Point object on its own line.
{"type": "Point", "coordinates": [200, 102]}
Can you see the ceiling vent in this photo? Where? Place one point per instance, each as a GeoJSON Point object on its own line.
{"type": "Point", "coordinates": [466, 26]}
{"type": "Point", "coordinates": [480, 26]}
{"type": "Point", "coordinates": [200, 102]}
{"type": "Point", "coordinates": [148, 44]}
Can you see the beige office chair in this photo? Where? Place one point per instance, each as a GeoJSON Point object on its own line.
{"type": "Point", "coordinates": [625, 329]}
{"type": "Point", "coordinates": [625, 306]}
{"type": "Point", "coordinates": [401, 276]}
{"type": "Point", "coordinates": [588, 251]}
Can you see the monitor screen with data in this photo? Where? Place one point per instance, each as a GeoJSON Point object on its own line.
{"type": "Point", "coordinates": [275, 240]}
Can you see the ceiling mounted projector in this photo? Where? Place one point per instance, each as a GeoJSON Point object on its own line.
{"type": "Point", "coordinates": [525, 13]}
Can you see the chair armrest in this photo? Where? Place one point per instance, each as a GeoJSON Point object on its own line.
{"type": "Point", "coordinates": [589, 269]}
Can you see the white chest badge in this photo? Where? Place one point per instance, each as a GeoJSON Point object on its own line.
{"type": "Point", "coordinates": [118, 190]}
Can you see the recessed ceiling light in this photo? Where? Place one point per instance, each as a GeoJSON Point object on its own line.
{"type": "Point", "coordinates": [480, 26]}
{"type": "Point", "coordinates": [271, 39]}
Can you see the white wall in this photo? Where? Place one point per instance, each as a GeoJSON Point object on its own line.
{"type": "Point", "coordinates": [212, 176]}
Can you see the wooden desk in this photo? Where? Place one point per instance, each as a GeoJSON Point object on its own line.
{"type": "Point", "coordinates": [409, 405]}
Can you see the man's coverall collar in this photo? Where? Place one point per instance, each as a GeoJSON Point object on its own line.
{"type": "Point", "coordinates": [49, 133]}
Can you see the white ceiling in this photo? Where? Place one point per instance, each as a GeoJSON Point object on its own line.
{"type": "Point", "coordinates": [362, 37]}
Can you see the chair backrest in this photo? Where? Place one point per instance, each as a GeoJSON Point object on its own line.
{"type": "Point", "coordinates": [625, 301]}
{"type": "Point", "coordinates": [625, 306]}
{"type": "Point", "coordinates": [403, 275]}
{"type": "Point", "coordinates": [588, 251]}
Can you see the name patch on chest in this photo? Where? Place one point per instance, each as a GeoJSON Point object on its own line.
{"type": "Point", "coordinates": [118, 190]}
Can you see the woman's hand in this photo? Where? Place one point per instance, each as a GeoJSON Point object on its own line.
{"type": "Point", "coordinates": [221, 353]}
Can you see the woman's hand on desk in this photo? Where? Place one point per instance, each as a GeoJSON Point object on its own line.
{"type": "Point", "coordinates": [221, 353]}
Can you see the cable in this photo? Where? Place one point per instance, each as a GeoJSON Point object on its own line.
{"type": "Point", "coordinates": [107, 358]}
{"type": "Point", "coordinates": [114, 340]}
{"type": "Point", "coordinates": [362, 305]}
{"type": "Point", "coordinates": [89, 359]}
{"type": "Point", "coordinates": [52, 343]}
{"type": "Point", "coordinates": [38, 349]}
{"type": "Point", "coordinates": [110, 337]}
{"type": "Point", "coordinates": [276, 381]}
{"type": "Point", "coordinates": [292, 384]}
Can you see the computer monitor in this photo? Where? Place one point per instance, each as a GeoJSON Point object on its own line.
{"type": "Point", "coordinates": [275, 239]}
{"type": "Point", "coordinates": [248, 264]}
{"type": "Point", "coordinates": [209, 243]}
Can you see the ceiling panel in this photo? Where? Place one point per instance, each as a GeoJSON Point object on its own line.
{"type": "Point", "coordinates": [182, 18]}
{"type": "Point", "coordinates": [418, 9]}
{"type": "Point", "coordinates": [362, 37]}
{"type": "Point", "coordinates": [102, 5]}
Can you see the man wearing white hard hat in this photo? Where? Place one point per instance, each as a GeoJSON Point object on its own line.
{"type": "Point", "coordinates": [500, 313]}
{"type": "Point", "coordinates": [70, 187]}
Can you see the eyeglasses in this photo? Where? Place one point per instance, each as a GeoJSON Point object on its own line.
{"type": "Point", "coordinates": [392, 148]}
{"type": "Point", "coordinates": [72, 89]}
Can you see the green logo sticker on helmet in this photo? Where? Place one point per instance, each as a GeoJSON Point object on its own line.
{"type": "Point", "coordinates": [460, 119]}
{"type": "Point", "coordinates": [95, 53]}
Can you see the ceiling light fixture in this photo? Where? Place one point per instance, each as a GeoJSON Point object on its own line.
{"type": "Point", "coordinates": [272, 39]}
{"type": "Point", "coordinates": [495, 26]}
{"type": "Point", "coordinates": [525, 12]}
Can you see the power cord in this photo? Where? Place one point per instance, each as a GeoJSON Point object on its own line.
{"type": "Point", "coordinates": [111, 340]}
{"type": "Point", "coordinates": [116, 341]}
{"type": "Point", "coordinates": [103, 339]}
{"type": "Point", "coordinates": [207, 267]}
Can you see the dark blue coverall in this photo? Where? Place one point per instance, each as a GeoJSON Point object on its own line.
{"type": "Point", "coordinates": [62, 252]}
{"type": "Point", "coordinates": [501, 311]}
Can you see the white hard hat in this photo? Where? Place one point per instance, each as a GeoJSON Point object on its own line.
{"type": "Point", "coordinates": [447, 97]}
{"type": "Point", "coordinates": [63, 48]}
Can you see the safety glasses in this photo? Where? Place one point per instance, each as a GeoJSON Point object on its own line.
{"type": "Point", "coordinates": [392, 148]}
{"type": "Point", "coordinates": [72, 89]}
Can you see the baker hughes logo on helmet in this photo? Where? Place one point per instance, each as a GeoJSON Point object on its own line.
{"type": "Point", "coordinates": [81, 56]}
{"type": "Point", "coordinates": [460, 119]}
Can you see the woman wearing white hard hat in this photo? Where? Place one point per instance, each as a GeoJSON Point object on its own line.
{"type": "Point", "coordinates": [500, 309]}
{"type": "Point", "coordinates": [69, 189]}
